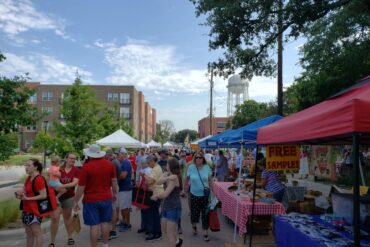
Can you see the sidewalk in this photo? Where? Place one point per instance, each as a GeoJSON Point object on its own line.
{"type": "Point", "coordinates": [132, 238]}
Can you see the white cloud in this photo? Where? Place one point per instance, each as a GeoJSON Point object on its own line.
{"type": "Point", "coordinates": [152, 67]}
{"type": "Point", "coordinates": [42, 68]}
{"type": "Point", "coordinates": [19, 16]}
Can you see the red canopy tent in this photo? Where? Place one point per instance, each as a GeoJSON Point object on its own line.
{"type": "Point", "coordinates": [341, 119]}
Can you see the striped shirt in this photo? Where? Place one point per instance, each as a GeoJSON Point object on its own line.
{"type": "Point", "coordinates": [273, 183]}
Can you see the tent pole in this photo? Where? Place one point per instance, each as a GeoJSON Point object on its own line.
{"type": "Point", "coordinates": [238, 197]}
{"type": "Point", "coordinates": [356, 189]}
{"type": "Point", "coordinates": [254, 196]}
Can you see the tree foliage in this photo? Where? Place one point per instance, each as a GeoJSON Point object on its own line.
{"type": "Point", "coordinates": [164, 130]}
{"type": "Point", "coordinates": [109, 122]}
{"type": "Point", "coordinates": [248, 30]}
{"type": "Point", "coordinates": [336, 55]}
{"type": "Point", "coordinates": [80, 110]}
{"type": "Point", "coordinates": [251, 111]}
{"type": "Point", "coordinates": [8, 143]}
{"type": "Point", "coordinates": [15, 110]}
{"type": "Point", "coordinates": [181, 135]}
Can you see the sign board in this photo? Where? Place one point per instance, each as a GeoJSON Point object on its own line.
{"type": "Point", "coordinates": [282, 157]}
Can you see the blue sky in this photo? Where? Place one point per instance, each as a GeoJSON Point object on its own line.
{"type": "Point", "coordinates": [157, 45]}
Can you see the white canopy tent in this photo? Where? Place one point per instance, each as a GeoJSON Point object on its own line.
{"type": "Point", "coordinates": [153, 144]}
{"type": "Point", "coordinates": [119, 139]}
{"type": "Point", "coordinates": [143, 145]}
{"type": "Point", "coordinates": [167, 145]}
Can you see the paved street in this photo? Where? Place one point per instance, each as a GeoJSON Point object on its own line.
{"type": "Point", "coordinates": [132, 238]}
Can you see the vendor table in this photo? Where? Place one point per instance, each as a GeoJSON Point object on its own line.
{"type": "Point", "coordinates": [229, 203]}
{"type": "Point", "coordinates": [309, 231]}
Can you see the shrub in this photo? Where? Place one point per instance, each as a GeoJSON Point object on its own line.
{"type": "Point", "coordinates": [9, 212]}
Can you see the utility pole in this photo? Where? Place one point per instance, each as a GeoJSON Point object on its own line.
{"type": "Point", "coordinates": [280, 59]}
{"type": "Point", "coordinates": [211, 104]}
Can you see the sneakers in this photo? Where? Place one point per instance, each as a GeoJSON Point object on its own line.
{"type": "Point", "coordinates": [141, 230]}
{"type": "Point", "coordinates": [153, 237]}
{"type": "Point", "coordinates": [179, 243]}
{"type": "Point", "coordinates": [124, 228]}
{"type": "Point", "coordinates": [112, 235]}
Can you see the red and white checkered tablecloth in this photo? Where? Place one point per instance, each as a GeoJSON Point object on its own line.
{"type": "Point", "coordinates": [229, 201]}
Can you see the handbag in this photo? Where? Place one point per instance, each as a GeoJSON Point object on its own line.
{"type": "Point", "coordinates": [141, 196]}
{"type": "Point", "coordinates": [206, 190]}
{"type": "Point", "coordinates": [44, 206]}
{"type": "Point", "coordinates": [76, 224]}
{"type": "Point", "coordinates": [214, 223]}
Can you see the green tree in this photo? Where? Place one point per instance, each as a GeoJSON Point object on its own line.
{"type": "Point", "coordinates": [247, 31]}
{"type": "Point", "coordinates": [43, 141]}
{"type": "Point", "coordinates": [335, 56]}
{"type": "Point", "coordinates": [81, 116]}
{"type": "Point", "coordinates": [15, 110]}
{"type": "Point", "coordinates": [164, 130]}
{"type": "Point", "coordinates": [251, 111]}
{"type": "Point", "coordinates": [110, 122]}
{"type": "Point", "coordinates": [180, 136]}
{"type": "Point", "coordinates": [8, 142]}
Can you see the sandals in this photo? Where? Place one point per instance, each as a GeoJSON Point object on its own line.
{"type": "Point", "coordinates": [206, 238]}
{"type": "Point", "coordinates": [71, 241]}
{"type": "Point", "coordinates": [194, 230]}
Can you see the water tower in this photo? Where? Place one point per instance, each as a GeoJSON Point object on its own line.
{"type": "Point", "coordinates": [237, 93]}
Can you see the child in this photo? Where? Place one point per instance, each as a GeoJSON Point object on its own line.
{"type": "Point", "coordinates": [54, 175]}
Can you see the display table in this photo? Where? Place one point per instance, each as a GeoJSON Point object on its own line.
{"type": "Point", "coordinates": [229, 204]}
{"type": "Point", "coordinates": [309, 231]}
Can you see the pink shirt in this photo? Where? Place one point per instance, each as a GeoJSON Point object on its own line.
{"type": "Point", "coordinates": [54, 173]}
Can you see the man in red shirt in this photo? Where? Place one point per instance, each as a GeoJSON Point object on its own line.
{"type": "Point", "coordinates": [96, 182]}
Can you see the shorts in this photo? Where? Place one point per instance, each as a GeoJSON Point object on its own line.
{"type": "Point", "coordinates": [173, 214]}
{"type": "Point", "coordinates": [124, 199]}
{"type": "Point", "coordinates": [55, 184]}
{"type": "Point", "coordinates": [95, 213]}
{"type": "Point", "coordinates": [67, 203]}
{"type": "Point", "coordinates": [29, 219]}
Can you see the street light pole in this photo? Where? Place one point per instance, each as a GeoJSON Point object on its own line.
{"type": "Point", "coordinates": [45, 127]}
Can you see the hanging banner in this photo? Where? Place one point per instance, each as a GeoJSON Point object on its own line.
{"type": "Point", "coordinates": [282, 157]}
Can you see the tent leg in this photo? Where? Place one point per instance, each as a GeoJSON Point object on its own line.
{"type": "Point", "coordinates": [237, 201]}
{"type": "Point", "coordinates": [356, 189]}
{"type": "Point", "coordinates": [254, 195]}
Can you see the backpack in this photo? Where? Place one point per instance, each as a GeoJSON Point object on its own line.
{"type": "Point", "coordinates": [44, 206]}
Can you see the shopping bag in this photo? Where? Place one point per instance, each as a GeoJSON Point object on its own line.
{"type": "Point", "coordinates": [76, 224]}
{"type": "Point", "coordinates": [141, 196]}
{"type": "Point", "coordinates": [214, 223]}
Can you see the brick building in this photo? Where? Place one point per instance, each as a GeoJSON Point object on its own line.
{"type": "Point", "coordinates": [218, 126]}
{"type": "Point", "coordinates": [131, 106]}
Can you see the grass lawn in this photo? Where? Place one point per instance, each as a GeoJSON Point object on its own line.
{"type": "Point", "coordinates": [20, 159]}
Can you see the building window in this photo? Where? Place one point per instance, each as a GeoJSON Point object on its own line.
{"type": "Point", "coordinates": [221, 125]}
{"type": "Point", "coordinates": [47, 96]}
{"type": "Point", "coordinates": [31, 127]}
{"type": "Point", "coordinates": [47, 109]}
{"type": "Point", "coordinates": [125, 98]}
{"type": "Point", "coordinates": [33, 99]}
{"type": "Point", "coordinates": [112, 96]}
{"type": "Point", "coordinates": [124, 112]}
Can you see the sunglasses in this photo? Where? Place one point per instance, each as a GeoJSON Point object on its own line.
{"type": "Point", "coordinates": [198, 158]}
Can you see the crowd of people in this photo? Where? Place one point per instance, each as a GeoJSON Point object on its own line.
{"type": "Point", "coordinates": [105, 184]}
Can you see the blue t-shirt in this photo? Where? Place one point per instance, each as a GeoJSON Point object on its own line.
{"type": "Point", "coordinates": [125, 184]}
{"type": "Point", "coordinates": [196, 186]}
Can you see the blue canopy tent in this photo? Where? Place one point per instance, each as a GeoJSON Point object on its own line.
{"type": "Point", "coordinates": [213, 141]}
{"type": "Point", "coordinates": [246, 136]}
